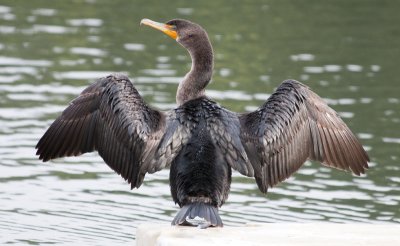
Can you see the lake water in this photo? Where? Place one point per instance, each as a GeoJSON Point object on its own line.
{"type": "Point", "coordinates": [346, 51]}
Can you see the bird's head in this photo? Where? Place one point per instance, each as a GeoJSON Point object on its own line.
{"type": "Point", "coordinates": [190, 35]}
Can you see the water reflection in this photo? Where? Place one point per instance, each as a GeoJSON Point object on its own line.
{"type": "Point", "coordinates": [49, 52]}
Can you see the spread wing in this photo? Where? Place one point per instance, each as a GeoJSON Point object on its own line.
{"type": "Point", "coordinates": [111, 117]}
{"type": "Point", "coordinates": [294, 125]}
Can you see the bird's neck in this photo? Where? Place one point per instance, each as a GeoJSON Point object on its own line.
{"type": "Point", "coordinates": [196, 80]}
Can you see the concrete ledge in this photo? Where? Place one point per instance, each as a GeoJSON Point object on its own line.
{"type": "Point", "coordinates": [326, 234]}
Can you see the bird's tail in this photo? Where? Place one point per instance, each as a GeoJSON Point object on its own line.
{"type": "Point", "coordinates": [198, 214]}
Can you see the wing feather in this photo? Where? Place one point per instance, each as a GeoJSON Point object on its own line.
{"type": "Point", "coordinates": [224, 127]}
{"type": "Point", "coordinates": [111, 117]}
{"type": "Point", "coordinates": [294, 125]}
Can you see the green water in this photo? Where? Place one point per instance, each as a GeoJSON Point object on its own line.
{"type": "Point", "coordinates": [346, 51]}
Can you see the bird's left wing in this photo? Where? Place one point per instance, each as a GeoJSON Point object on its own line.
{"type": "Point", "coordinates": [111, 117]}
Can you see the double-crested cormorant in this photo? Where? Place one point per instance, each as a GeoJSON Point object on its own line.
{"type": "Point", "coordinates": [199, 140]}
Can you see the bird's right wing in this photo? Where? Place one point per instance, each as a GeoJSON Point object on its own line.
{"type": "Point", "coordinates": [294, 125]}
{"type": "Point", "coordinates": [111, 117]}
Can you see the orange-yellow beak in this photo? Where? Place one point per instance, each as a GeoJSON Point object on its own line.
{"type": "Point", "coordinates": [167, 29]}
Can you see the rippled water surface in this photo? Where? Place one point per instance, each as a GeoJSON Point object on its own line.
{"type": "Point", "coordinates": [347, 51]}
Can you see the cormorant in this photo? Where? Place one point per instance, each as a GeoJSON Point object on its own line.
{"type": "Point", "coordinates": [200, 141]}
